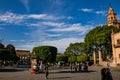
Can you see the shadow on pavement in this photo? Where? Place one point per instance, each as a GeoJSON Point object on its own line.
{"type": "Point", "coordinates": [90, 71]}
{"type": "Point", "coordinates": [10, 70]}
{"type": "Point", "coordinates": [59, 78]}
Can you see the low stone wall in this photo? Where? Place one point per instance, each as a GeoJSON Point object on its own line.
{"type": "Point", "coordinates": [104, 63]}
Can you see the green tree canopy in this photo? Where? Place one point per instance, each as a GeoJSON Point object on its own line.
{"type": "Point", "coordinates": [1, 46]}
{"type": "Point", "coordinates": [61, 58]}
{"type": "Point", "coordinates": [72, 59]}
{"type": "Point", "coordinates": [8, 53]}
{"type": "Point", "coordinates": [4, 54]}
{"type": "Point", "coordinates": [45, 53]}
{"type": "Point", "coordinates": [75, 49]}
{"type": "Point", "coordinates": [82, 58]}
{"type": "Point", "coordinates": [100, 37]}
{"type": "Point", "coordinates": [11, 48]}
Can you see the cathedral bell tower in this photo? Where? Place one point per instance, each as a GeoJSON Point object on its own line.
{"type": "Point", "coordinates": [112, 20]}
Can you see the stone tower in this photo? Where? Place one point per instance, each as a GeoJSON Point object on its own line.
{"type": "Point", "coordinates": [112, 19]}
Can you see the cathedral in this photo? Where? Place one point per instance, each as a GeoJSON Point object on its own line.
{"type": "Point", "coordinates": [112, 19]}
{"type": "Point", "coordinates": [115, 38]}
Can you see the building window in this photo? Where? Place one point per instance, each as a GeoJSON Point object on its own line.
{"type": "Point", "coordinates": [111, 18]}
{"type": "Point", "coordinates": [118, 41]}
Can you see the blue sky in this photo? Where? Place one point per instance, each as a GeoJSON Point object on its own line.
{"type": "Point", "coordinates": [30, 23]}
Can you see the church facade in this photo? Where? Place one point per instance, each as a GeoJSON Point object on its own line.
{"type": "Point", "coordinates": [116, 48]}
{"type": "Point", "coordinates": [115, 38]}
{"type": "Point", "coordinates": [112, 18]}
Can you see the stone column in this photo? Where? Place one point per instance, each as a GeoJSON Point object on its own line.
{"type": "Point", "coordinates": [94, 57]}
{"type": "Point", "coordinates": [100, 56]}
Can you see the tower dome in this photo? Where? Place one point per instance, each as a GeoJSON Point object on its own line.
{"type": "Point", "coordinates": [112, 19]}
{"type": "Point", "coordinates": [111, 10]}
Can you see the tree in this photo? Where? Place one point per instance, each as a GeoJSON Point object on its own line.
{"type": "Point", "coordinates": [1, 46]}
{"type": "Point", "coordinates": [61, 58]}
{"type": "Point", "coordinates": [72, 59]}
{"type": "Point", "coordinates": [100, 37]}
{"type": "Point", "coordinates": [82, 58]}
{"type": "Point", "coordinates": [75, 49]}
{"type": "Point", "coordinates": [12, 52]}
{"type": "Point", "coordinates": [45, 53]}
{"type": "Point", "coordinates": [11, 48]}
{"type": "Point", "coordinates": [4, 55]}
{"type": "Point", "coordinates": [8, 53]}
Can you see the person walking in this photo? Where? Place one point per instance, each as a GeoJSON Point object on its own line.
{"type": "Point", "coordinates": [108, 74]}
{"type": "Point", "coordinates": [103, 74]}
{"type": "Point", "coordinates": [108, 65]}
{"type": "Point", "coordinates": [46, 71]}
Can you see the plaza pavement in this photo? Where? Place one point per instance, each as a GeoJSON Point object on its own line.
{"type": "Point", "coordinates": [56, 74]}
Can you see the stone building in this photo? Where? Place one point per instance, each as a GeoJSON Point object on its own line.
{"type": "Point", "coordinates": [115, 38]}
{"type": "Point", "coordinates": [24, 56]}
{"type": "Point", "coordinates": [116, 48]}
{"type": "Point", "coordinates": [112, 19]}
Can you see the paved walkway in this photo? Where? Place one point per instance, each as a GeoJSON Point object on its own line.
{"type": "Point", "coordinates": [56, 74]}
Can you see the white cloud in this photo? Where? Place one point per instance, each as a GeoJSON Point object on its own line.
{"type": "Point", "coordinates": [17, 40]}
{"type": "Point", "coordinates": [70, 17]}
{"type": "Point", "coordinates": [54, 35]}
{"type": "Point", "coordinates": [24, 47]}
{"type": "Point", "coordinates": [59, 28]}
{"type": "Point", "coordinates": [77, 27]}
{"type": "Point", "coordinates": [54, 24]}
{"type": "Point", "coordinates": [61, 44]}
{"type": "Point", "coordinates": [18, 19]}
{"type": "Point", "coordinates": [12, 18]}
{"type": "Point", "coordinates": [48, 31]}
{"type": "Point", "coordinates": [45, 17]}
{"type": "Point", "coordinates": [101, 12]}
{"type": "Point", "coordinates": [38, 24]}
{"type": "Point", "coordinates": [86, 10]}
{"type": "Point", "coordinates": [26, 4]}
{"type": "Point", "coordinates": [37, 16]}
{"type": "Point", "coordinates": [91, 10]}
